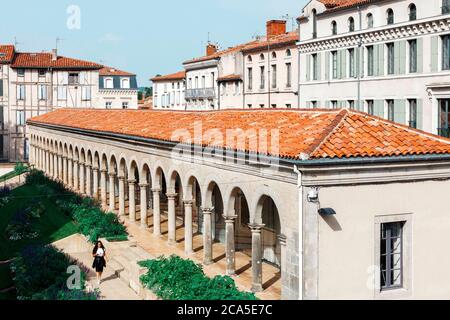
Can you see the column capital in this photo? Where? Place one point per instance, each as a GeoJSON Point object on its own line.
{"type": "Point", "coordinates": [65, 157]}
{"type": "Point", "coordinates": [143, 185]}
{"type": "Point", "coordinates": [171, 195]}
{"type": "Point", "coordinates": [283, 239]}
{"type": "Point", "coordinates": [89, 166]}
{"type": "Point", "coordinates": [111, 174]}
{"type": "Point", "coordinates": [132, 181]}
{"type": "Point", "coordinates": [207, 210]}
{"type": "Point", "coordinates": [229, 219]}
{"type": "Point", "coordinates": [188, 203]}
{"type": "Point", "coordinates": [76, 161]}
{"type": "Point", "coordinates": [104, 171]}
{"type": "Point", "coordinates": [95, 168]}
{"type": "Point", "coordinates": [156, 190]}
{"type": "Point", "coordinates": [121, 178]}
{"type": "Point", "coordinates": [256, 227]}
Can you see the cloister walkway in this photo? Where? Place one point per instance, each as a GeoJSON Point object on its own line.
{"type": "Point", "coordinates": [158, 246]}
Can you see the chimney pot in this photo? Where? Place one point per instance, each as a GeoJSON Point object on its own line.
{"type": "Point", "coordinates": [54, 55]}
{"type": "Point", "coordinates": [211, 49]}
{"type": "Point", "coordinates": [275, 28]}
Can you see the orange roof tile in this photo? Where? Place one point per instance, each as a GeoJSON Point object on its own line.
{"type": "Point", "coordinates": [109, 71]}
{"type": "Point", "coordinates": [219, 54]}
{"type": "Point", "coordinates": [340, 4]}
{"type": "Point", "coordinates": [174, 76]}
{"type": "Point", "coordinates": [230, 77]}
{"type": "Point", "coordinates": [289, 38]}
{"type": "Point", "coordinates": [44, 60]}
{"type": "Point", "coordinates": [6, 53]}
{"type": "Point", "coordinates": [303, 134]}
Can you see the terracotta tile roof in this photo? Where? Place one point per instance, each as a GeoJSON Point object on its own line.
{"type": "Point", "coordinates": [303, 134]}
{"type": "Point", "coordinates": [289, 38]}
{"type": "Point", "coordinates": [174, 76]}
{"type": "Point", "coordinates": [109, 71]}
{"type": "Point", "coordinates": [44, 60]}
{"type": "Point", "coordinates": [219, 54]}
{"type": "Point", "coordinates": [230, 77]}
{"type": "Point", "coordinates": [6, 53]}
{"type": "Point", "coordinates": [340, 4]}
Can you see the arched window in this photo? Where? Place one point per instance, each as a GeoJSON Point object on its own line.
{"type": "Point", "coordinates": [351, 24]}
{"type": "Point", "coordinates": [390, 16]}
{"type": "Point", "coordinates": [412, 12]}
{"type": "Point", "coordinates": [369, 20]}
{"type": "Point", "coordinates": [288, 53]}
{"type": "Point", "coordinates": [314, 20]}
{"type": "Point", "coordinates": [249, 59]}
{"type": "Point", "coordinates": [125, 83]}
{"type": "Point", "coordinates": [334, 28]}
{"type": "Point", "coordinates": [261, 57]}
{"type": "Point", "coordinates": [109, 83]}
{"type": "Point", "coordinates": [445, 6]}
{"type": "Point", "coordinates": [274, 55]}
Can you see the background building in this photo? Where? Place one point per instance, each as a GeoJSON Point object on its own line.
{"type": "Point", "coordinates": [387, 58]}
{"type": "Point", "coordinates": [169, 91]}
{"type": "Point", "coordinates": [117, 89]}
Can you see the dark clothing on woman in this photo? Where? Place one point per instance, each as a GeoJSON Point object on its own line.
{"type": "Point", "coordinates": [99, 261]}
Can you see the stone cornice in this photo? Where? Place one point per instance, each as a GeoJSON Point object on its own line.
{"type": "Point", "coordinates": [386, 33]}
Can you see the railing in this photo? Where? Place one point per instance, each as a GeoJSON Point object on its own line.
{"type": "Point", "coordinates": [200, 93]}
{"type": "Point", "coordinates": [444, 132]}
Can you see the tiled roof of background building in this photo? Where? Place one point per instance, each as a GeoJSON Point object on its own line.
{"type": "Point", "coordinates": [303, 134]}
{"type": "Point", "coordinates": [6, 53]}
{"type": "Point", "coordinates": [44, 60]}
{"type": "Point", "coordinates": [289, 38]}
{"type": "Point", "coordinates": [109, 71]}
{"type": "Point", "coordinates": [340, 4]}
{"type": "Point", "coordinates": [173, 76]}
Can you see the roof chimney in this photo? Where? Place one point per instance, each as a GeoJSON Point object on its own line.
{"type": "Point", "coordinates": [211, 49]}
{"type": "Point", "coordinates": [54, 54]}
{"type": "Point", "coordinates": [275, 28]}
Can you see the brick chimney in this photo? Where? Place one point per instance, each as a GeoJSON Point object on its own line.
{"type": "Point", "coordinates": [211, 49]}
{"type": "Point", "coordinates": [275, 28]}
{"type": "Point", "coordinates": [54, 54]}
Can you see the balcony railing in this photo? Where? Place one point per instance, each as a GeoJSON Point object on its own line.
{"type": "Point", "coordinates": [444, 132]}
{"type": "Point", "coordinates": [204, 93]}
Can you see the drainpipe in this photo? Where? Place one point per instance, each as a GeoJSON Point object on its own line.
{"type": "Point", "coordinates": [298, 69]}
{"type": "Point", "coordinates": [300, 231]}
{"type": "Point", "coordinates": [359, 59]}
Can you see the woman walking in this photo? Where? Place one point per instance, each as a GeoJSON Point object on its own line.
{"type": "Point", "coordinates": [99, 254]}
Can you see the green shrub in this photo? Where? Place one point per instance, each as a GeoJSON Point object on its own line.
{"type": "Point", "coordinates": [40, 274]}
{"type": "Point", "coordinates": [175, 278]}
{"type": "Point", "coordinates": [20, 168]}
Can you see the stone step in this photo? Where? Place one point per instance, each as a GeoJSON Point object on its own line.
{"type": "Point", "coordinates": [142, 254]}
{"type": "Point", "coordinates": [115, 266]}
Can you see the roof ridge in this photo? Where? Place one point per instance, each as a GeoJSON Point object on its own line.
{"type": "Point", "coordinates": [335, 124]}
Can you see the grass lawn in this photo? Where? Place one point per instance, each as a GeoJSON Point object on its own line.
{"type": "Point", "coordinates": [52, 226]}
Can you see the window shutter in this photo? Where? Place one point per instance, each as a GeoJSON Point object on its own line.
{"type": "Point", "coordinates": [319, 66]}
{"type": "Point", "coordinates": [402, 58]}
{"type": "Point", "coordinates": [357, 62]}
{"type": "Point", "coordinates": [344, 64]}
{"type": "Point", "coordinates": [308, 67]}
{"type": "Point", "coordinates": [1, 88]}
{"type": "Point", "coordinates": [327, 104]}
{"type": "Point", "coordinates": [400, 111]}
{"type": "Point", "coordinates": [327, 65]}
{"type": "Point", "coordinates": [376, 61]}
{"type": "Point", "coordinates": [419, 114]}
{"type": "Point", "coordinates": [420, 55]}
{"type": "Point", "coordinates": [434, 53]}
{"type": "Point", "coordinates": [338, 65]}
{"type": "Point", "coordinates": [381, 59]}
{"type": "Point", "coordinates": [378, 108]}
{"type": "Point", "coordinates": [397, 57]}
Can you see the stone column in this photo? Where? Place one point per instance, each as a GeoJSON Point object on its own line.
{"type": "Point", "coordinates": [70, 172]}
{"type": "Point", "coordinates": [172, 221]}
{"type": "Point", "coordinates": [230, 248]}
{"type": "Point", "coordinates": [65, 173]}
{"type": "Point", "coordinates": [132, 199]}
{"type": "Point", "coordinates": [188, 248]}
{"type": "Point", "coordinates": [76, 180]}
{"type": "Point", "coordinates": [143, 187]}
{"type": "Point", "coordinates": [112, 195]}
{"type": "Point", "coordinates": [50, 164]}
{"type": "Point", "coordinates": [55, 166]}
{"type": "Point", "coordinates": [156, 212]}
{"type": "Point", "coordinates": [95, 183]}
{"type": "Point", "coordinates": [282, 239]}
{"type": "Point", "coordinates": [103, 191]}
{"type": "Point", "coordinates": [82, 178]}
{"type": "Point", "coordinates": [88, 180]}
{"type": "Point", "coordinates": [207, 236]}
{"type": "Point", "coordinates": [47, 162]}
{"type": "Point", "coordinates": [121, 195]}
{"type": "Point", "coordinates": [60, 168]}
{"type": "Point", "coordinates": [256, 257]}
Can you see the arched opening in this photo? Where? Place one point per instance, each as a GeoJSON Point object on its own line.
{"type": "Point", "coordinates": [243, 236]}
{"type": "Point", "coordinates": [249, 58]}
{"type": "Point", "coordinates": [314, 22]}
{"type": "Point", "coordinates": [175, 195]}
{"type": "Point", "coordinates": [412, 12]}
{"type": "Point", "coordinates": [351, 24]}
{"type": "Point", "coordinates": [113, 183]}
{"type": "Point", "coordinates": [261, 57]}
{"type": "Point", "coordinates": [143, 189]}
{"type": "Point", "coordinates": [334, 28]}
{"type": "Point", "coordinates": [369, 21]}
{"type": "Point", "coordinates": [390, 16]}
{"type": "Point", "coordinates": [274, 55]}
{"type": "Point", "coordinates": [288, 53]}
{"type": "Point", "coordinates": [271, 232]}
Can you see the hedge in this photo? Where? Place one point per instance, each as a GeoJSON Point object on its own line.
{"type": "Point", "coordinates": [175, 278]}
{"type": "Point", "coordinates": [40, 273]}
{"type": "Point", "coordinates": [92, 222]}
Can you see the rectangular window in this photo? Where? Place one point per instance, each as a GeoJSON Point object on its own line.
{"type": "Point", "coordinates": [196, 82]}
{"type": "Point", "coordinates": [42, 72]}
{"type": "Point", "coordinates": [370, 107]}
{"type": "Point", "coordinates": [412, 56]}
{"type": "Point", "coordinates": [351, 57]}
{"type": "Point", "coordinates": [124, 105]}
{"type": "Point", "coordinates": [314, 104]}
{"type": "Point", "coordinates": [391, 58]}
{"type": "Point", "coordinates": [261, 106]}
{"type": "Point", "coordinates": [26, 149]}
{"type": "Point", "coordinates": [391, 255]}
{"type": "Point", "coordinates": [334, 57]}
{"type": "Point", "coordinates": [1, 87]}
{"type": "Point", "coordinates": [20, 72]}
{"type": "Point", "coordinates": [446, 52]}
{"type": "Point", "coordinates": [190, 83]}
{"type": "Point", "coordinates": [445, 6]}
{"type": "Point", "coordinates": [315, 66]}
{"type": "Point", "coordinates": [249, 106]}
{"type": "Point", "coordinates": [444, 117]}
{"type": "Point", "coordinates": [334, 104]}
{"type": "Point", "coordinates": [351, 104]}
{"type": "Point", "coordinates": [74, 78]}
{"type": "Point", "coordinates": [42, 92]}
{"type": "Point", "coordinates": [213, 79]}
{"type": "Point", "coordinates": [62, 93]}
{"type": "Point", "coordinates": [250, 79]}
{"type": "Point", "coordinates": [274, 76]}
{"type": "Point", "coordinates": [413, 113]}
{"type": "Point", "coordinates": [288, 75]}
{"type": "Point", "coordinates": [20, 92]}
{"type": "Point", "coordinates": [86, 93]}
{"type": "Point", "coordinates": [262, 83]}
{"type": "Point", "coordinates": [390, 109]}
{"type": "Point", "coordinates": [288, 106]}
{"type": "Point", "coordinates": [203, 82]}
{"type": "Point", "coordinates": [370, 61]}
{"type": "Point", "coordinates": [2, 123]}
{"type": "Point", "coordinates": [108, 104]}
{"type": "Point", "coordinates": [20, 117]}
{"type": "Point", "coordinates": [236, 88]}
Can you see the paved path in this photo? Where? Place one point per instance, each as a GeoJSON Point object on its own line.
{"type": "Point", "coordinates": [111, 287]}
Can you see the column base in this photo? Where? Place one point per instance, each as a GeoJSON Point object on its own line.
{"type": "Point", "coordinates": [171, 242]}
{"type": "Point", "coordinates": [207, 262]}
{"type": "Point", "coordinates": [143, 226]}
{"type": "Point", "coordinates": [189, 252]}
{"type": "Point", "coordinates": [231, 273]}
{"type": "Point", "coordinates": [257, 287]}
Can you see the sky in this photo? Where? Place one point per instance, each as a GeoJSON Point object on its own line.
{"type": "Point", "coordinates": [142, 37]}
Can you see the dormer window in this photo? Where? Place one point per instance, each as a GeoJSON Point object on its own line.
{"type": "Point", "coordinates": [314, 21]}
{"type": "Point", "coordinates": [288, 53]}
{"type": "Point", "coordinates": [274, 55]}
{"type": "Point", "coordinates": [412, 12]}
{"type": "Point", "coordinates": [334, 28]}
{"type": "Point", "coordinates": [20, 72]}
{"type": "Point", "coordinates": [261, 57]}
{"type": "Point", "coordinates": [125, 83]}
{"type": "Point", "coordinates": [109, 83]}
{"type": "Point", "coordinates": [249, 59]}
{"type": "Point", "coordinates": [390, 16]}
{"type": "Point", "coordinates": [351, 24]}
